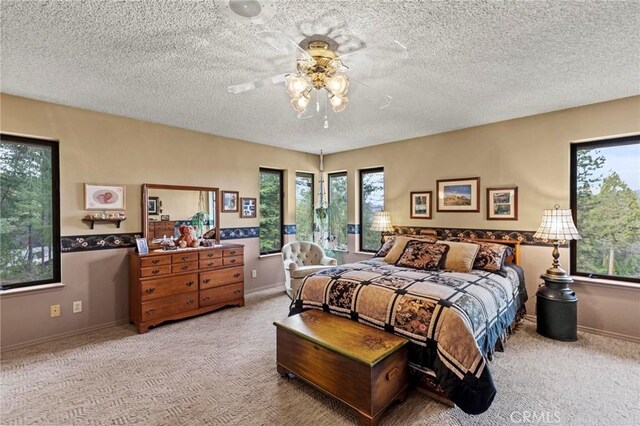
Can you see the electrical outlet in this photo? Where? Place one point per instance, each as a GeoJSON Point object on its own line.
{"type": "Point", "coordinates": [55, 311]}
{"type": "Point", "coordinates": [254, 273]}
{"type": "Point", "coordinates": [77, 306]}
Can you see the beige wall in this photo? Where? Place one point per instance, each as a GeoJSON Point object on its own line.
{"type": "Point", "coordinates": [102, 148]}
{"type": "Point", "coordinates": [531, 153]}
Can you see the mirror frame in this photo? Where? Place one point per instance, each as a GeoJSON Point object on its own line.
{"type": "Point", "coordinates": [145, 203]}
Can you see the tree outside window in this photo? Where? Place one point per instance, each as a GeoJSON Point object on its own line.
{"type": "Point", "coordinates": [371, 201]}
{"type": "Point", "coordinates": [271, 211]}
{"type": "Point", "coordinates": [304, 206]}
{"type": "Point", "coordinates": [337, 211]}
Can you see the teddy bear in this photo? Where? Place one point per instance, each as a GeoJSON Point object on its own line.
{"type": "Point", "coordinates": [187, 238]}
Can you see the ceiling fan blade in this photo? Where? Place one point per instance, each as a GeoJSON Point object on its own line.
{"type": "Point", "coordinates": [283, 44]}
{"type": "Point", "coordinates": [360, 91]}
{"type": "Point", "coordinates": [392, 51]}
{"type": "Point", "coordinates": [245, 87]}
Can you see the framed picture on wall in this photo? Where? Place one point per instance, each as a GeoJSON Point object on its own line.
{"type": "Point", "coordinates": [248, 207]}
{"type": "Point", "coordinates": [502, 203]}
{"type": "Point", "coordinates": [230, 201]}
{"type": "Point", "coordinates": [459, 195]}
{"type": "Point", "coordinates": [104, 197]}
{"type": "Point", "coordinates": [152, 207]}
{"type": "Point", "coordinates": [421, 204]}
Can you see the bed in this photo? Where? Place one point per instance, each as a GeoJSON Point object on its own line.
{"type": "Point", "coordinates": [453, 320]}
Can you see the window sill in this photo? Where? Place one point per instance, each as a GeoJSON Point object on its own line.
{"type": "Point", "coordinates": [266, 256]}
{"type": "Point", "coordinates": [604, 282]}
{"type": "Point", "coordinates": [31, 289]}
{"type": "Point", "coordinates": [368, 253]}
{"type": "Point", "coordinates": [338, 250]}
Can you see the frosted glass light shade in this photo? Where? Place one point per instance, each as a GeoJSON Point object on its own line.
{"type": "Point", "coordinates": [337, 85]}
{"type": "Point", "coordinates": [295, 85]}
{"type": "Point", "coordinates": [338, 103]}
{"type": "Point", "coordinates": [557, 224]}
{"type": "Point", "coordinates": [300, 102]}
{"type": "Point", "coordinates": [381, 222]}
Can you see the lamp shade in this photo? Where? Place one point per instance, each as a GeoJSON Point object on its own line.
{"type": "Point", "coordinates": [557, 224]}
{"type": "Point", "coordinates": [381, 222]}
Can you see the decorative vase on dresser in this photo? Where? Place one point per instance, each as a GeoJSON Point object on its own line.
{"type": "Point", "coordinates": [176, 284]}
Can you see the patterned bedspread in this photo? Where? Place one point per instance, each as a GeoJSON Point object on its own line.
{"type": "Point", "coordinates": [453, 320]}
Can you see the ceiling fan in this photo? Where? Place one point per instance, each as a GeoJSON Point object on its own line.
{"type": "Point", "coordinates": [321, 79]}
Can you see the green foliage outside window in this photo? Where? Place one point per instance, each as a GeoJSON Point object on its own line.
{"type": "Point", "coordinates": [304, 206]}
{"type": "Point", "coordinates": [270, 211]}
{"type": "Point", "coordinates": [29, 248]}
{"type": "Point", "coordinates": [337, 214]}
{"type": "Point", "coordinates": [607, 194]}
{"type": "Point", "coordinates": [371, 201]}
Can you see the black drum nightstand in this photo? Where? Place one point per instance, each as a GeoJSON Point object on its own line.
{"type": "Point", "coordinates": [557, 310]}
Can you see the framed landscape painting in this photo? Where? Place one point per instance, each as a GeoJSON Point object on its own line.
{"type": "Point", "coordinates": [459, 195]}
{"type": "Point", "coordinates": [421, 204]}
{"type": "Point", "coordinates": [502, 203]}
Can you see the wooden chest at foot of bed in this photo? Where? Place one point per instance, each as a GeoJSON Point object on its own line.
{"type": "Point", "coordinates": [361, 366]}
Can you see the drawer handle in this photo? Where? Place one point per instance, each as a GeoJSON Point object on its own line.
{"type": "Point", "coordinates": [206, 280]}
{"type": "Point", "coordinates": [155, 261]}
{"type": "Point", "coordinates": [211, 263]}
{"type": "Point", "coordinates": [236, 291]}
{"type": "Point", "coordinates": [150, 311]}
{"type": "Point", "coordinates": [150, 290]}
{"type": "Point", "coordinates": [232, 252]}
{"type": "Point", "coordinates": [185, 267]}
{"type": "Point", "coordinates": [236, 275]}
{"type": "Point", "coordinates": [210, 255]}
{"type": "Point", "coordinates": [189, 302]}
{"type": "Point", "coordinates": [391, 374]}
{"type": "Point", "coordinates": [155, 271]}
{"type": "Point", "coordinates": [190, 283]}
{"type": "Point", "coordinates": [206, 298]}
{"type": "Point", "coordinates": [185, 257]}
{"type": "Point", "coordinates": [232, 261]}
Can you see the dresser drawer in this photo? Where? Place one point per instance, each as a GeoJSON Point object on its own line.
{"type": "Point", "coordinates": [231, 252]}
{"type": "Point", "coordinates": [222, 277]}
{"type": "Point", "coordinates": [210, 254]}
{"type": "Point", "coordinates": [148, 262]}
{"type": "Point", "coordinates": [184, 257]}
{"type": "Point", "coordinates": [184, 267]}
{"type": "Point", "coordinates": [155, 271]}
{"type": "Point", "coordinates": [166, 306]}
{"type": "Point", "coordinates": [220, 294]}
{"type": "Point", "coordinates": [153, 289]}
{"type": "Point", "coordinates": [233, 260]}
{"type": "Point", "coordinates": [210, 263]}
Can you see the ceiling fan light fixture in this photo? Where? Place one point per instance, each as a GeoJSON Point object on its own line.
{"type": "Point", "coordinates": [248, 12]}
{"type": "Point", "coordinates": [338, 103]}
{"type": "Point", "coordinates": [300, 102]}
{"type": "Point", "coordinates": [295, 84]}
{"type": "Point", "coordinates": [337, 85]}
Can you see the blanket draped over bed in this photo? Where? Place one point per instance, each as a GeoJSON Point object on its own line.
{"type": "Point", "coordinates": [453, 320]}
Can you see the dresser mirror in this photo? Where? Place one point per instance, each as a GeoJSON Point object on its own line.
{"type": "Point", "coordinates": [167, 207]}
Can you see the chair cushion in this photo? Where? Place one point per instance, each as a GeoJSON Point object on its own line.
{"type": "Point", "coordinates": [303, 271]}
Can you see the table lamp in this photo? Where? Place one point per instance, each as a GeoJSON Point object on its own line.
{"type": "Point", "coordinates": [381, 222]}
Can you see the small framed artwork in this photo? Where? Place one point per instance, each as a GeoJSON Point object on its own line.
{"type": "Point", "coordinates": [141, 245]}
{"type": "Point", "coordinates": [164, 217]}
{"type": "Point", "coordinates": [229, 201]}
{"type": "Point", "coordinates": [421, 204]}
{"type": "Point", "coordinates": [248, 207]}
{"type": "Point", "coordinates": [152, 206]}
{"type": "Point", "coordinates": [104, 197]}
{"type": "Point", "coordinates": [459, 195]}
{"type": "Point", "coordinates": [502, 203]}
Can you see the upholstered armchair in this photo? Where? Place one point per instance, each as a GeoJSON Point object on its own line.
{"type": "Point", "coordinates": [302, 258]}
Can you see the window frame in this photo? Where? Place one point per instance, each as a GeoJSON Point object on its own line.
{"type": "Point", "coordinates": [280, 174]}
{"type": "Point", "coordinates": [362, 172]}
{"type": "Point", "coordinates": [574, 147]}
{"type": "Point", "coordinates": [346, 176]}
{"type": "Point", "coordinates": [313, 199]}
{"type": "Point", "coordinates": [54, 146]}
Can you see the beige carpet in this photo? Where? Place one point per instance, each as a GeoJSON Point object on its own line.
{"type": "Point", "coordinates": [220, 369]}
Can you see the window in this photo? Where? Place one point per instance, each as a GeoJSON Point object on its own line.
{"type": "Point", "coordinates": [337, 198]}
{"type": "Point", "coordinates": [29, 212]}
{"type": "Point", "coordinates": [371, 201]}
{"type": "Point", "coordinates": [271, 202]}
{"type": "Point", "coordinates": [304, 206]}
{"type": "Point", "coordinates": [605, 198]}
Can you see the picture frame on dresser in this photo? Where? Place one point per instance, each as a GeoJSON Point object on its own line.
{"type": "Point", "coordinates": [141, 245]}
{"type": "Point", "coordinates": [502, 203]}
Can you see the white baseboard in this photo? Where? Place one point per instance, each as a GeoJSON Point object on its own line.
{"type": "Point", "coordinates": [265, 287]}
{"type": "Point", "coordinates": [62, 335]}
{"type": "Point", "coordinates": [599, 332]}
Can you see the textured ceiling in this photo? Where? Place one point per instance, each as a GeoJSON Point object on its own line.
{"type": "Point", "coordinates": [469, 63]}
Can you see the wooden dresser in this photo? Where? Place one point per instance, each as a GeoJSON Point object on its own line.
{"type": "Point", "coordinates": [160, 228]}
{"type": "Point", "coordinates": [170, 285]}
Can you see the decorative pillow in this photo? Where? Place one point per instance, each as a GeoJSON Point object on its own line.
{"type": "Point", "coordinates": [461, 256]}
{"type": "Point", "coordinates": [422, 255]}
{"type": "Point", "coordinates": [491, 256]}
{"type": "Point", "coordinates": [389, 241]}
{"type": "Point", "coordinates": [400, 243]}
